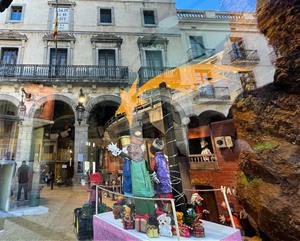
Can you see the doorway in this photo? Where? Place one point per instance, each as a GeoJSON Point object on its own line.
{"type": "Point", "coordinates": [99, 117]}
{"type": "Point", "coordinates": [54, 141]}
{"type": "Point", "coordinates": [58, 62]}
{"type": "Point", "coordinates": [210, 202]}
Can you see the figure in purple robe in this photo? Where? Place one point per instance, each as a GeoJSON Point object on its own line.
{"type": "Point", "coordinates": [160, 167]}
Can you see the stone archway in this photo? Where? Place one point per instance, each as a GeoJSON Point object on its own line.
{"type": "Point", "coordinates": [178, 109]}
{"type": "Point", "coordinates": [99, 111]}
{"type": "Point", "coordinates": [8, 127]}
{"type": "Point", "coordinates": [95, 101]}
{"type": "Point", "coordinates": [12, 99]}
{"type": "Point", "coordinates": [208, 116]}
{"type": "Point", "coordinates": [39, 127]}
{"type": "Point", "coordinates": [57, 97]}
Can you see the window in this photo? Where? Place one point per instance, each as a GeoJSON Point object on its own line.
{"type": "Point", "coordinates": [197, 46]}
{"type": "Point", "coordinates": [238, 47]}
{"type": "Point", "coordinates": [9, 55]}
{"type": "Point", "coordinates": [16, 13]}
{"type": "Point", "coordinates": [62, 56]}
{"type": "Point", "coordinates": [154, 58]}
{"type": "Point", "coordinates": [202, 146]}
{"type": "Point", "coordinates": [247, 80]}
{"type": "Point", "coordinates": [106, 16]}
{"type": "Point", "coordinates": [206, 91]}
{"type": "Point", "coordinates": [107, 57]}
{"type": "Point", "coordinates": [149, 17]}
{"type": "Point", "coordinates": [107, 63]}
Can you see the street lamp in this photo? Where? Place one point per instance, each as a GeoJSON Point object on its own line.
{"type": "Point", "coordinates": [27, 95]}
{"type": "Point", "coordinates": [80, 107]}
{"type": "Point", "coordinates": [22, 107]}
{"type": "Point", "coordinates": [81, 99]}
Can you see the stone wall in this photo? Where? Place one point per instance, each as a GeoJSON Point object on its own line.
{"type": "Point", "coordinates": [269, 181]}
{"type": "Point", "coordinates": [268, 119]}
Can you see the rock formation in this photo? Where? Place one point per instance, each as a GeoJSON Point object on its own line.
{"type": "Point", "coordinates": [279, 21]}
{"type": "Point", "coordinates": [269, 119]}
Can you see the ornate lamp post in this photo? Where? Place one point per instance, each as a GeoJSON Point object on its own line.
{"type": "Point", "coordinates": [80, 107]}
{"type": "Point", "coordinates": [27, 95]}
{"type": "Point", "coordinates": [22, 107]}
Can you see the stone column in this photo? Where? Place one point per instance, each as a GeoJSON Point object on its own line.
{"type": "Point", "coordinates": [22, 52]}
{"type": "Point", "coordinates": [37, 144]}
{"type": "Point", "coordinates": [24, 150]}
{"type": "Point", "coordinates": [94, 54]}
{"type": "Point", "coordinates": [80, 149]}
{"type": "Point", "coordinates": [71, 56]}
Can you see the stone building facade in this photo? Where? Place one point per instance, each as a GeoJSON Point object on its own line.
{"type": "Point", "coordinates": [102, 46]}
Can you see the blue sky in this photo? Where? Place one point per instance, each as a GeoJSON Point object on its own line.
{"type": "Point", "coordinates": [221, 5]}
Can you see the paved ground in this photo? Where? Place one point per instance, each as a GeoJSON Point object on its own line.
{"type": "Point", "coordinates": [56, 225]}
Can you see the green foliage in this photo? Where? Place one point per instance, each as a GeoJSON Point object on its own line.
{"type": "Point", "coordinates": [266, 145]}
{"type": "Point", "coordinates": [243, 180]}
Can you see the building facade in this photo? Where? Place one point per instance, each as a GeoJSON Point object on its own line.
{"type": "Point", "coordinates": [101, 48]}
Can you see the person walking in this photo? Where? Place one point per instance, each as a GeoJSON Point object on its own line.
{"type": "Point", "coordinates": [47, 179]}
{"type": "Point", "coordinates": [23, 178]}
{"type": "Point", "coordinates": [52, 179]}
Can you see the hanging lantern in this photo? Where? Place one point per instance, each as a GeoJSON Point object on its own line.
{"type": "Point", "coordinates": [80, 113]}
{"type": "Point", "coordinates": [80, 107]}
{"type": "Point", "coordinates": [81, 99]}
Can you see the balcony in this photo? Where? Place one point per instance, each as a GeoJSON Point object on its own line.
{"type": "Point", "coordinates": [213, 93]}
{"type": "Point", "coordinates": [199, 54]}
{"type": "Point", "coordinates": [244, 57]}
{"type": "Point", "coordinates": [194, 15]}
{"type": "Point", "coordinates": [229, 16]}
{"type": "Point", "coordinates": [147, 73]}
{"type": "Point", "coordinates": [203, 162]}
{"type": "Point", "coordinates": [190, 15]}
{"type": "Point", "coordinates": [108, 75]}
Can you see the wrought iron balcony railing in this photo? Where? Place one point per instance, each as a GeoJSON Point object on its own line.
{"type": "Point", "coordinates": [194, 54]}
{"type": "Point", "coordinates": [244, 57]}
{"type": "Point", "coordinates": [147, 73]}
{"type": "Point", "coordinates": [68, 73]}
{"type": "Point", "coordinates": [203, 162]}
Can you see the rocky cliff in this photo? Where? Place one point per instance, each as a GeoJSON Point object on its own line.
{"type": "Point", "coordinates": [268, 185]}
{"type": "Point", "coordinates": [279, 21]}
{"type": "Point", "coordinates": [269, 120]}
